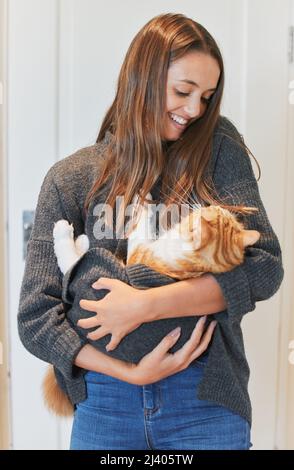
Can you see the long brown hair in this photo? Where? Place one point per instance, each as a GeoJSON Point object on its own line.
{"type": "Point", "coordinates": [137, 155]}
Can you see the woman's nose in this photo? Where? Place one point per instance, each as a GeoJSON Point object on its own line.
{"type": "Point", "coordinates": [193, 108]}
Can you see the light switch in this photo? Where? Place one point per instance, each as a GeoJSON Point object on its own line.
{"type": "Point", "coordinates": [27, 225]}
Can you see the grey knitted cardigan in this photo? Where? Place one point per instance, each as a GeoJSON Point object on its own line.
{"type": "Point", "coordinates": [48, 305]}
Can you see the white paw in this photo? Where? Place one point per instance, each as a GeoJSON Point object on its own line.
{"type": "Point", "coordinates": [82, 244]}
{"type": "Point", "coordinates": [62, 229]}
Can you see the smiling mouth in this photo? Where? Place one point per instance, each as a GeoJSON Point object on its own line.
{"type": "Point", "coordinates": [176, 124]}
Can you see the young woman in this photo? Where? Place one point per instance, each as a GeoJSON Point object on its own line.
{"type": "Point", "coordinates": [164, 132]}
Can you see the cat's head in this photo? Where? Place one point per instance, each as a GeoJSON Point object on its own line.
{"type": "Point", "coordinates": [217, 238]}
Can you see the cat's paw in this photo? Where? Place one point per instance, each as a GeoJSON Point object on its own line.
{"type": "Point", "coordinates": [62, 229]}
{"type": "Point", "coordinates": [82, 244]}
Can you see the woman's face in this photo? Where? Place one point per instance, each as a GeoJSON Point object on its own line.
{"type": "Point", "coordinates": [191, 82]}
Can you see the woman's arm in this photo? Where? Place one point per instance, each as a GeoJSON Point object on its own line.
{"type": "Point", "coordinates": [42, 323]}
{"type": "Point", "coordinates": [90, 358]}
{"type": "Point", "coordinates": [199, 296]}
{"type": "Point", "coordinates": [44, 328]}
{"type": "Point", "coordinates": [260, 275]}
{"type": "Point", "coordinates": [156, 365]}
{"type": "Point", "coordinates": [257, 278]}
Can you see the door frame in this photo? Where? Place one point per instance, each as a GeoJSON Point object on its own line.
{"type": "Point", "coordinates": [5, 434]}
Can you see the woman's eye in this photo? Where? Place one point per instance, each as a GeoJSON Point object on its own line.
{"type": "Point", "coordinates": [180, 93]}
{"type": "Point", "coordinates": [205, 100]}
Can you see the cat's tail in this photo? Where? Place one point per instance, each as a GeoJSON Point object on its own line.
{"type": "Point", "coordinates": [55, 399]}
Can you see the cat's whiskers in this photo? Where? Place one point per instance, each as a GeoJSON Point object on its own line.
{"type": "Point", "coordinates": [180, 197]}
{"type": "Point", "coordinates": [195, 205]}
{"type": "Point", "coordinates": [188, 207]}
{"type": "Point", "coordinates": [185, 191]}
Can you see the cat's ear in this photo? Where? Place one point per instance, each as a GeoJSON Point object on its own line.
{"type": "Point", "coordinates": [201, 233]}
{"type": "Point", "coordinates": [249, 237]}
{"type": "Point", "coordinates": [209, 213]}
{"type": "Point", "coordinates": [149, 196]}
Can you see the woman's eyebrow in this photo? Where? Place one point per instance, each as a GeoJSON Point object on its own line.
{"type": "Point", "coordinates": [194, 83]}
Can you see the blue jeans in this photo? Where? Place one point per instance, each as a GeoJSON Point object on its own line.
{"type": "Point", "coordinates": [165, 415]}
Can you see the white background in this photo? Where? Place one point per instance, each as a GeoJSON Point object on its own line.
{"type": "Point", "coordinates": [63, 62]}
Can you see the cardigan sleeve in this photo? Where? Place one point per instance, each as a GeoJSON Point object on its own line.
{"type": "Point", "coordinates": [260, 275]}
{"type": "Point", "coordinates": [42, 324]}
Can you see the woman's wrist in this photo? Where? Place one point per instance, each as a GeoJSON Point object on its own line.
{"type": "Point", "coordinates": [151, 304]}
{"type": "Point", "coordinates": [194, 296]}
{"type": "Point", "coordinates": [90, 358]}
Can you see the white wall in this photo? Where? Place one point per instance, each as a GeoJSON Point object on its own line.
{"type": "Point", "coordinates": [32, 137]}
{"type": "Point", "coordinates": [285, 408]}
{"type": "Point", "coordinates": [64, 59]}
{"type": "Point", "coordinates": [266, 131]}
{"type": "Point", "coordinates": [4, 380]}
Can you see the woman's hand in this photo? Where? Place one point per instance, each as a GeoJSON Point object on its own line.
{"type": "Point", "coordinates": [156, 365]}
{"type": "Point", "coordinates": [118, 313]}
{"type": "Point", "coordinates": [159, 364]}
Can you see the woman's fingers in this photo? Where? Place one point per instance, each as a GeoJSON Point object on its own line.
{"type": "Point", "coordinates": [89, 322]}
{"type": "Point", "coordinates": [114, 342]}
{"type": "Point", "coordinates": [167, 342]}
{"type": "Point", "coordinates": [197, 343]}
{"type": "Point", "coordinates": [194, 339]}
{"type": "Point", "coordinates": [197, 333]}
{"type": "Point", "coordinates": [159, 363]}
{"type": "Point", "coordinates": [204, 341]}
{"type": "Point", "coordinates": [170, 339]}
{"type": "Point", "coordinates": [90, 305]}
{"type": "Point", "coordinates": [97, 334]}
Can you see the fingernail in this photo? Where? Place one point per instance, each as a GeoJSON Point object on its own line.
{"type": "Point", "coordinates": [203, 319]}
{"type": "Point", "coordinates": [214, 322]}
{"type": "Point", "coordinates": [175, 332]}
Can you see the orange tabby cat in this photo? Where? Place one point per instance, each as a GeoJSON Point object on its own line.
{"type": "Point", "coordinates": [207, 239]}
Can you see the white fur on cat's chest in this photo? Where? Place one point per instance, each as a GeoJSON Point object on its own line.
{"type": "Point", "coordinates": [169, 246]}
